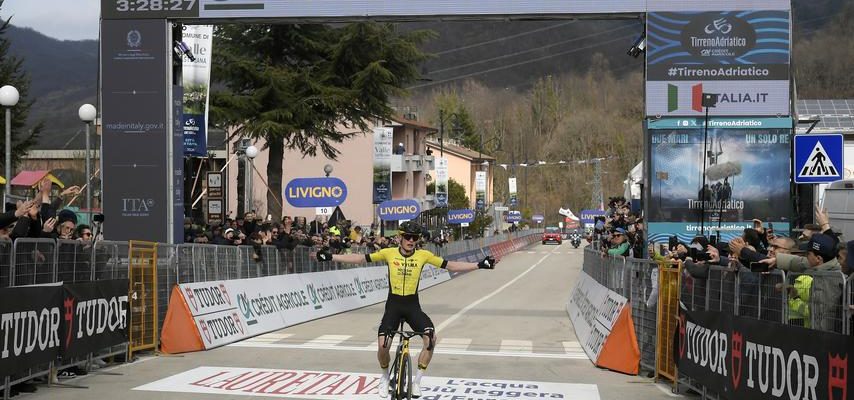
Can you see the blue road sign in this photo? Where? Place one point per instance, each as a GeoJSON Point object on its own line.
{"type": "Point", "coordinates": [818, 158]}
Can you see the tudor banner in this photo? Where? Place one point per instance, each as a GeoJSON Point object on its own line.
{"type": "Point", "coordinates": [31, 327]}
{"type": "Point", "coordinates": [743, 358]}
{"type": "Point", "coordinates": [95, 316]}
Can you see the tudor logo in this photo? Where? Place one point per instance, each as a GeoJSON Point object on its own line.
{"type": "Point", "coordinates": [191, 298]}
{"type": "Point", "coordinates": [224, 293]}
{"type": "Point", "coordinates": [837, 371]}
{"type": "Point", "coordinates": [736, 358]}
{"type": "Point", "coordinates": [205, 332]}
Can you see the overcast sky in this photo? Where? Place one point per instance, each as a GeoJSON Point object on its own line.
{"type": "Point", "coordinates": [59, 19]}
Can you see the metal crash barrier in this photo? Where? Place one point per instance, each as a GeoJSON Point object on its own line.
{"type": "Point", "coordinates": [152, 269]}
{"type": "Point", "coordinates": [656, 292]}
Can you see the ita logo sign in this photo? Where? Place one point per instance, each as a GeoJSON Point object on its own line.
{"type": "Point", "coordinates": [818, 158]}
{"type": "Point", "coordinates": [315, 192]}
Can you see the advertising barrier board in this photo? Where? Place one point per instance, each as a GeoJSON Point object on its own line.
{"type": "Point", "coordinates": [603, 325]}
{"type": "Point", "coordinates": [744, 358]}
{"type": "Point", "coordinates": [223, 312]}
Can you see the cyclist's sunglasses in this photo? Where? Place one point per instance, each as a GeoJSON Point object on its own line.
{"type": "Point", "coordinates": [411, 237]}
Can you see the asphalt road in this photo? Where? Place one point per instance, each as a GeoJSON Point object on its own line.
{"type": "Point", "coordinates": [503, 334]}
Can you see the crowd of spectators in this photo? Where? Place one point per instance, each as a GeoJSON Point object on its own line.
{"type": "Point", "coordinates": [620, 232]}
{"type": "Point", "coordinates": [43, 217]}
{"type": "Point", "coordinates": [339, 236]}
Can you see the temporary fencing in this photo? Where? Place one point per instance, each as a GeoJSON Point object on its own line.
{"type": "Point", "coordinates": [152, 273]}
{"type": "Point", "coordinates": [656, 291]}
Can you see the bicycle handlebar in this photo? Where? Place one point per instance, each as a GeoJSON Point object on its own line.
{"type": "Point", "coordinates": [408, 334]}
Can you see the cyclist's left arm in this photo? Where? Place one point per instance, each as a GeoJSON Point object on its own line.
{"type": "Point", "coordinates": [460, 266]}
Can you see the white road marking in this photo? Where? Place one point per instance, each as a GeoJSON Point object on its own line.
{"type": "Point", "coordinates": [439, 350]}
{"type": "Point", "coordinates": [530, 252]}
{"type": "Point", "coordinates": [516, 346]}
{"type": "Point", "coordinates": [271, 337]}
{"type": "Point", "coordinates": [330, 340]}
{"type": "Point", "coordinates": [572, 347]}
{"type": "Point", "coordinates": [474, 304]}
{"type": "Point", "coordinates": [454, 343]}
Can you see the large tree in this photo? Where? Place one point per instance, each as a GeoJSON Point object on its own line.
{"type": "Point", "coordinates": [294, 85]}
{"type": "Point", "coordinates": [12, 73]}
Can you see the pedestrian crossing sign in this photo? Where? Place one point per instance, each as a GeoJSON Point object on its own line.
{"type": "Point", "coordinates": [818, 158]}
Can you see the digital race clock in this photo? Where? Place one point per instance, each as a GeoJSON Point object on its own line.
{"type": "Point", "coordinates": [121, 9]}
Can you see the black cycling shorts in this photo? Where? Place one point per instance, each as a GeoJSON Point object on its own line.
{"type": "Point", "coordinates": [406, 308]}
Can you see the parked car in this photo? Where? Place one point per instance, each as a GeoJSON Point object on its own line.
{"type": "Point", "coordinates": [552, 234]}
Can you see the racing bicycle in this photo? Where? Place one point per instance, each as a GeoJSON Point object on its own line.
{"type": "Point", "coordinates": [400, 373]}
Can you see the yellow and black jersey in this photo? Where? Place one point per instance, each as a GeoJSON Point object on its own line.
{"type": "Point", "coordinates": [404, 273]}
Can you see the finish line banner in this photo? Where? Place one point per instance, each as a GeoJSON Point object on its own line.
{"type": "Point", "coordinates": [296, 384]}
{"type": "Point", "coordinates": [603, 324]}
{"type": "Point", "coordinates": [743, 358]}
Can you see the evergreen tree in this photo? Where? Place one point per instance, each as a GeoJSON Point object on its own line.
{"type": "Point", "coordinates": [295, 85]}
{"type": "Point", "coordinates": [12, 73]}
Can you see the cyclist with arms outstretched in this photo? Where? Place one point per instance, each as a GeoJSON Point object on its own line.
{"type": "Point", "coordinates": [404, 274]}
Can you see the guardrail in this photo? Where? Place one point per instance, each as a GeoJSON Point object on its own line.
{"type": "Point", "coordinates": [29, 261]}
{"type": "Point", "coordinates": [741, 292]}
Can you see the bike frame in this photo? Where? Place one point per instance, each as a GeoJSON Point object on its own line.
{"type": "Point", "coordinates": [401, 360]}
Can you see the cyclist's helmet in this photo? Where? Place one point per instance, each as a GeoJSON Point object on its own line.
{"type": "Point", "coordinates": [409, 228]}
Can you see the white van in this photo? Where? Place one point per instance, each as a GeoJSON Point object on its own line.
{"type": "Point", "coordinates": [839, 202]}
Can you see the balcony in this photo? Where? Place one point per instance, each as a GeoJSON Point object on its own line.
{"type": "Point", "coordinates": [412, 162]}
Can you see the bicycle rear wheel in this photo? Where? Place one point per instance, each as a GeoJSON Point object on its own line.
{"type": "Point", "coordinates": [394, 378]}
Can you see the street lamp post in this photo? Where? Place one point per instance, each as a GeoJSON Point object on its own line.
{"type": "Point", "coordinates": [8, 98]}
{"type": "Point", "coordinates": [87, 114]}
{"type": "Point", "coordinates": [251, 153]}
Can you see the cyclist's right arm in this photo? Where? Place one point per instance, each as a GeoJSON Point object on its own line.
{"type": "Point", "coordinates": [349, 258]}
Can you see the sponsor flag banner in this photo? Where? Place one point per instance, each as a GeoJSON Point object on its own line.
{"type": "Point", "coordinates": [383, 138]}
{"type": "Point", "coordinates": [442, 182]}
{"type": "Point", "coordinates": [743, 56]}
{"type": "Point", "coordinates": [480, 189]}
{"type": "Point", "coordinates": [95, 315]}
{"type": "Point", "coordinates": [220, 312]}
{"type": "Point", "coordinates": [511, 186]}
{"type": "Point", "coordinates": [603, 325]}
{"type": "Point", "coordinates": [315, 192]}
{"type": "Point", "coordinates": [743, 358]}
{"type": "Point", "coordinates": [196, 75]}
{"type": "Point", "coordinates": [32, 327]}
{"type": "Point", "coordinates": [463, 216]}
{"type": "Point", "coordinates": [399, 210]}
{"type": "Point", "coordinates": [747, 176]}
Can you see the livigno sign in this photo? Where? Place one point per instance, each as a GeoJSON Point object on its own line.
{"type": "Point", "coordinates": [315, 192]}
{"type": "Point", "coordinates": [397, 210]}
{"type": "Point", "coordinates": [460, 216]}
{"type": "Point", "coordinates": [514, 216]}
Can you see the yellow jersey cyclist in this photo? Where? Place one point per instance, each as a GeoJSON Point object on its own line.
{"type": "Point", "coordinates": [404, 272]}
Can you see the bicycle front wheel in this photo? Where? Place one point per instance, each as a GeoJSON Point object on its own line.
{"type": "Point", "coordinates": [406, 373]}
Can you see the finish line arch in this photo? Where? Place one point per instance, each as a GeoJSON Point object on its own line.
{"type": "Point", "coordinates": [141, 103]}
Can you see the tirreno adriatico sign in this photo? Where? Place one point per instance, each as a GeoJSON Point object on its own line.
{"type": "Point", "coordinates": [315, 192]}
{"type": "Point", "coordinates": [398, 210]}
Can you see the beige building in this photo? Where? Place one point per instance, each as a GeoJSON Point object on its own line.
{"type": "Point", "coordinates": [462, 165]}
{"type": "Point", "coordinates": [354, 166]}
